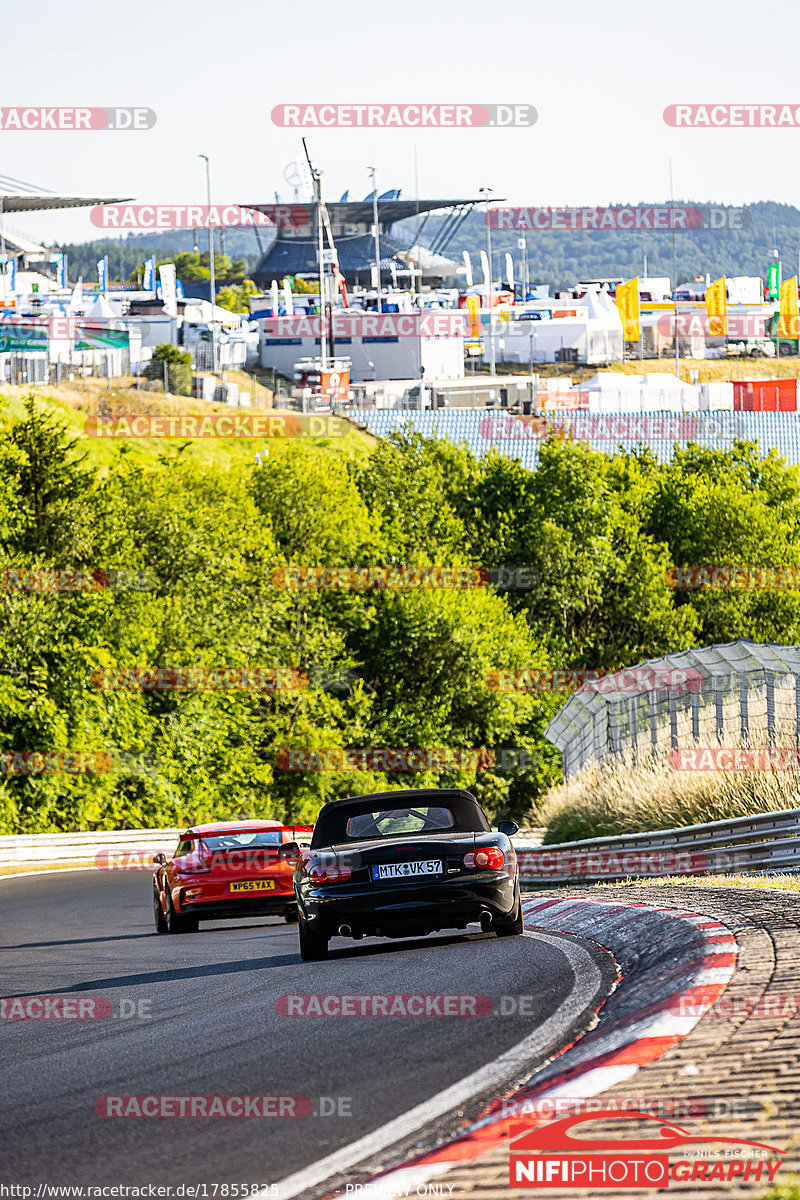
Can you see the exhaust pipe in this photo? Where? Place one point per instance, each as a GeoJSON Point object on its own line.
{"type": "Point", "coordinates": [345, 931]}
{"type": "Point", "coordinates": [486, 922]}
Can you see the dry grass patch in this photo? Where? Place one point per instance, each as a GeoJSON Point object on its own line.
{"type": "Point", "coordinates": [629, 795]}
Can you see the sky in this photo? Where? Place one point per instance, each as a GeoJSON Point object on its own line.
{"type": "Point", "coordinates": [598, 72]}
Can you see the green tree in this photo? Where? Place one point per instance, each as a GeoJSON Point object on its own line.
{"type": "Point", "coordinates": [235, 298]}
{"type": "Point", "coordinates": [178, 366]}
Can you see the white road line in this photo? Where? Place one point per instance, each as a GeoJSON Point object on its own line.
{"type": "Point", "coordinates": [503, 1069]}
{"type": "Point", "coordinates": [48, 871]}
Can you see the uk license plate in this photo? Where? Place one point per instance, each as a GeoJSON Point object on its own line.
{"type": "Point", "coordinates": [408, 870]}
{"type": "Point", "coordinates": [253, 885]}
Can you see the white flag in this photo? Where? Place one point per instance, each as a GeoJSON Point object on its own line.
{"type": "Point", "coordinates": [509, 270]}
{"type": "Point", "coordinates": [487, 279]}
{"type": "Point", "coordinates": [76, 300]}
{"type": "Point", "coordinates": [468, 269]}
{"type": "Point", "coordinates": [273, 295]}
{"type": "Point", "coordinates": [288, 302]}
{"type": "Point", "coordinates": [169, 295]}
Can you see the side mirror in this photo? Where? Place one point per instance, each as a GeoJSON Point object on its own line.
{"type": "Point", "coordinates": [509, 828]}
{"type": "Point", "coordinates": [160, 859]}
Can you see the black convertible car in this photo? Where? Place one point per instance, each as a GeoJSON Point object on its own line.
{"type": "Point", "coordinates": [402, 864]}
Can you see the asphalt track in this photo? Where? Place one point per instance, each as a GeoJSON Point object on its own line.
{"type": "Point", "coordinates": [205, 1023]}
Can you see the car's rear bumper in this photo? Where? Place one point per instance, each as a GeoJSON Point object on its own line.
{"type": "Point", "coordinates": [370, 909]}
{"type": "Point", "coordinates": [253, 905]}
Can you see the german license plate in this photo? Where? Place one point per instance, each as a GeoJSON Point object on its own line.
{"type": "Point", "coordinates": [408, 870]}
{"type": "Point", "coordinates": [253, 885]}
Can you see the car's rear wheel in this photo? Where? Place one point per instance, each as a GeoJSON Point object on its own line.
{"type": "Point", "coordinates": [158, 912]}
{"type": "Point", "coordinates": [313, 945]}
{"type": "Point", "coordinates": [290, 917]}
{"type": "Point", "coordinates": [513, 926]}
{"type": "Point", "coordinates": [177, 922]}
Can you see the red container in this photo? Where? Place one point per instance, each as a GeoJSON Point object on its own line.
{"type": "Point", "coordinates": [765, 395]}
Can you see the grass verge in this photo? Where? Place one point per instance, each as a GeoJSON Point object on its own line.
{"type": "Point", "coordinates": [75, 405]}
{"type": "Point", "coordinates": [781, 883]}
{"type": "Point", "coordinates": [630, 795]}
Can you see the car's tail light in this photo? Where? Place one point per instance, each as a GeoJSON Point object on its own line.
{"type": "Point", "coordinates": [488, 858]}
{"type": "Point", "coordinates": [333, 873]}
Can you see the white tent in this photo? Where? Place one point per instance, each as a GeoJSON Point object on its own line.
{"type": "Point", "coordinates": [605, 380]}
{"type": "Point", "coordinates": [101, 310]}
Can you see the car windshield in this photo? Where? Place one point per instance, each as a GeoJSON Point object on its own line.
{"type": "Point", "coordinates": [390, 822]}
{"type": "Point", "coordinates": [243, 840]}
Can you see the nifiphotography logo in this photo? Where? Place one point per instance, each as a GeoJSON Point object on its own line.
{"type": "Point", "coordinates": [551, 1156]}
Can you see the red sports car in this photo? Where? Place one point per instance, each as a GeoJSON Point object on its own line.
{"type": "Point", "coordinates": [228, 869]}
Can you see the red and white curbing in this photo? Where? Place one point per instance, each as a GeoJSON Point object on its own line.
{"type": "Point", "coordinates": [602, 1058]}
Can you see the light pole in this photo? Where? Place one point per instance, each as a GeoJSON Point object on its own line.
{"type": "Point", "coordinates": [492, 361]}
{"type": "Point", "coordinates": [377, 236]}
{"type": "Point", "coordinates": [212, 279]}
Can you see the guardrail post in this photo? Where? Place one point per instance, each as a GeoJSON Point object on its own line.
{"type": "Point", "coordinates": [615, 742]}
{"type": "Point", "coordinates": [633, 724]}
{"type": "Point", "coordinates": [770, 681]}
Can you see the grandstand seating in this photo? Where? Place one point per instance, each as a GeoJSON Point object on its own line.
{"type": "Point", "coordinates": [520, 438]}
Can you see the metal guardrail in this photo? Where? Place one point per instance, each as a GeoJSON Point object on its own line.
{"type": "Point", "coordinates": [133, 845]}
{"type": "Point", "coordinates": [764, 842]}
{"type": "Point", "coordinates": [38, 849]}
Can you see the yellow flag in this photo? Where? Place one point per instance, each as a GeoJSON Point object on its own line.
{"type": "Point", "coordinates": [473, 317]}
{"type": "Point", "coordinates": [627, 302]}
{"type": "Point", "coordinates": [787, 325]}
{"type": "Point", "coordinates": [716, 307]}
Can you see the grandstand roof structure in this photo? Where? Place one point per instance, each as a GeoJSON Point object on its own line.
{"type": "Point", "coordinates": [18, 196]}
{"type": "Point", "coordinates": [294, 251]}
